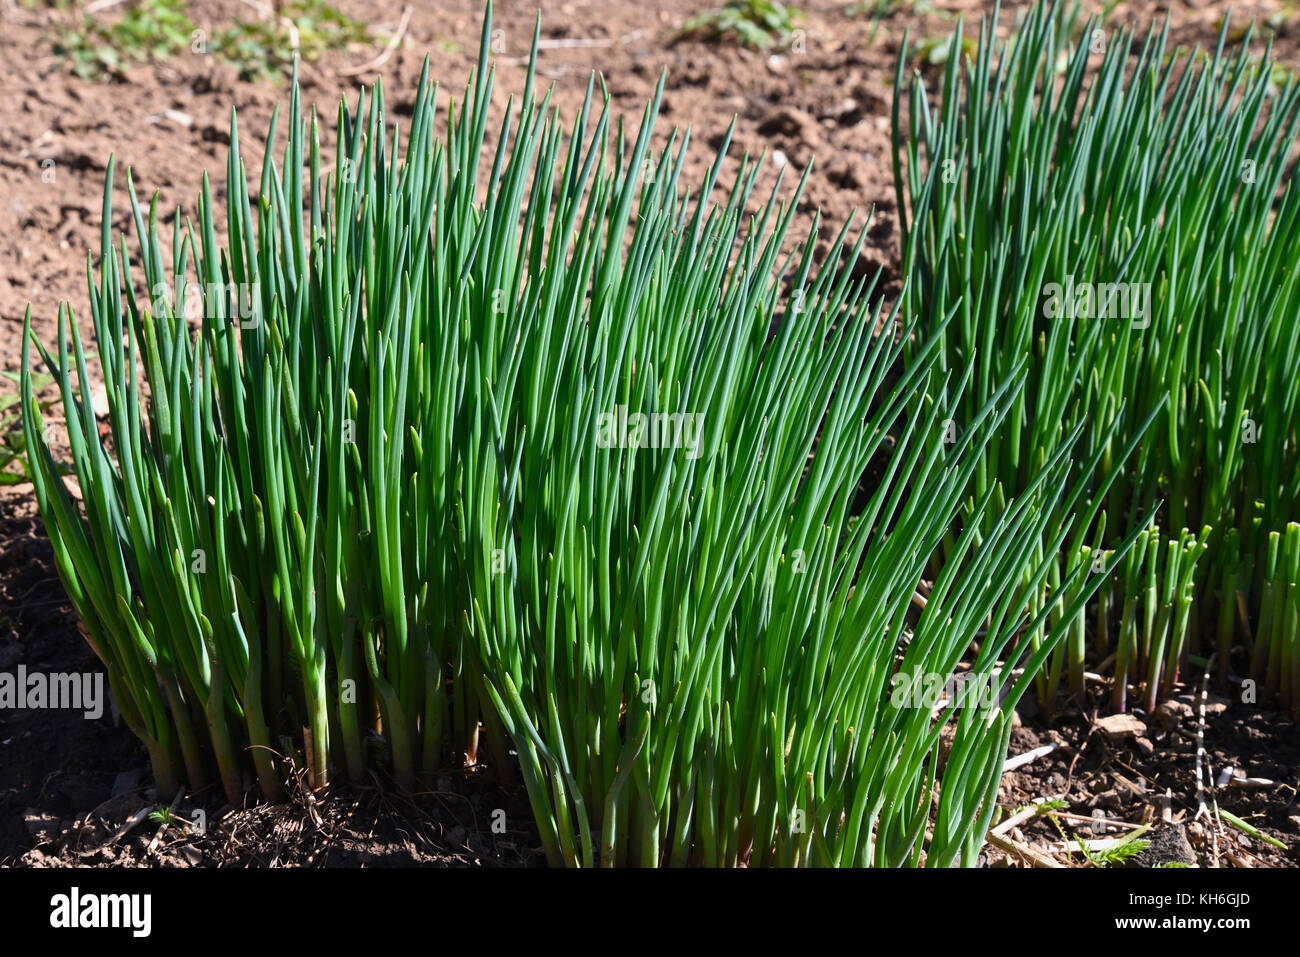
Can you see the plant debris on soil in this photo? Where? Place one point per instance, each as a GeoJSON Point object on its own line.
{"type": "Point", "coordinates": [77, 791]}
{"type": "Point", "coordinates": [1142, 771]}
{"type": "Point", "coordinates": [349, 826]}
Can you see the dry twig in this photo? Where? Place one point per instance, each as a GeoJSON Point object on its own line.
{"type": "Point", "coordinates": [396, 39]}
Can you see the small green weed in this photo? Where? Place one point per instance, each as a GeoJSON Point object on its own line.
{"type": "Point", "coordinates": [160, 29]}
{"type": "Point", "coordinates": [759, 24]}
{"type": "Point", "coordinates": [152, 29]}
{"type": "Point", "coordinates": [265, 48]}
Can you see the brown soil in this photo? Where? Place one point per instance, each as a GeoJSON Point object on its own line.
{"type": "Point", "coordinates": [1146, 774]}
{"type": "Point", "coordinates": [66, 784]}
{"type": "Point", "coordinates": [456, 825]}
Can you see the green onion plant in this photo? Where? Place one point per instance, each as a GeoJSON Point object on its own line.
{"type": "Point", "coordinates": [699, 511]}
{"type": "Point", "coordinates": [265, 547]}
{"type": "Point", "coordinates": [1119, 218]}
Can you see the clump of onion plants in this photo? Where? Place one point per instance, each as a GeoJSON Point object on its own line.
{"type": "Point", "coordinates": [263, 552]}
{"type": "Point", "coordinates": [538, 438]}
{"type": "Point", "coordinates": [1118, 216]}
{"type": "Point", "coordinates": [698, 515]}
